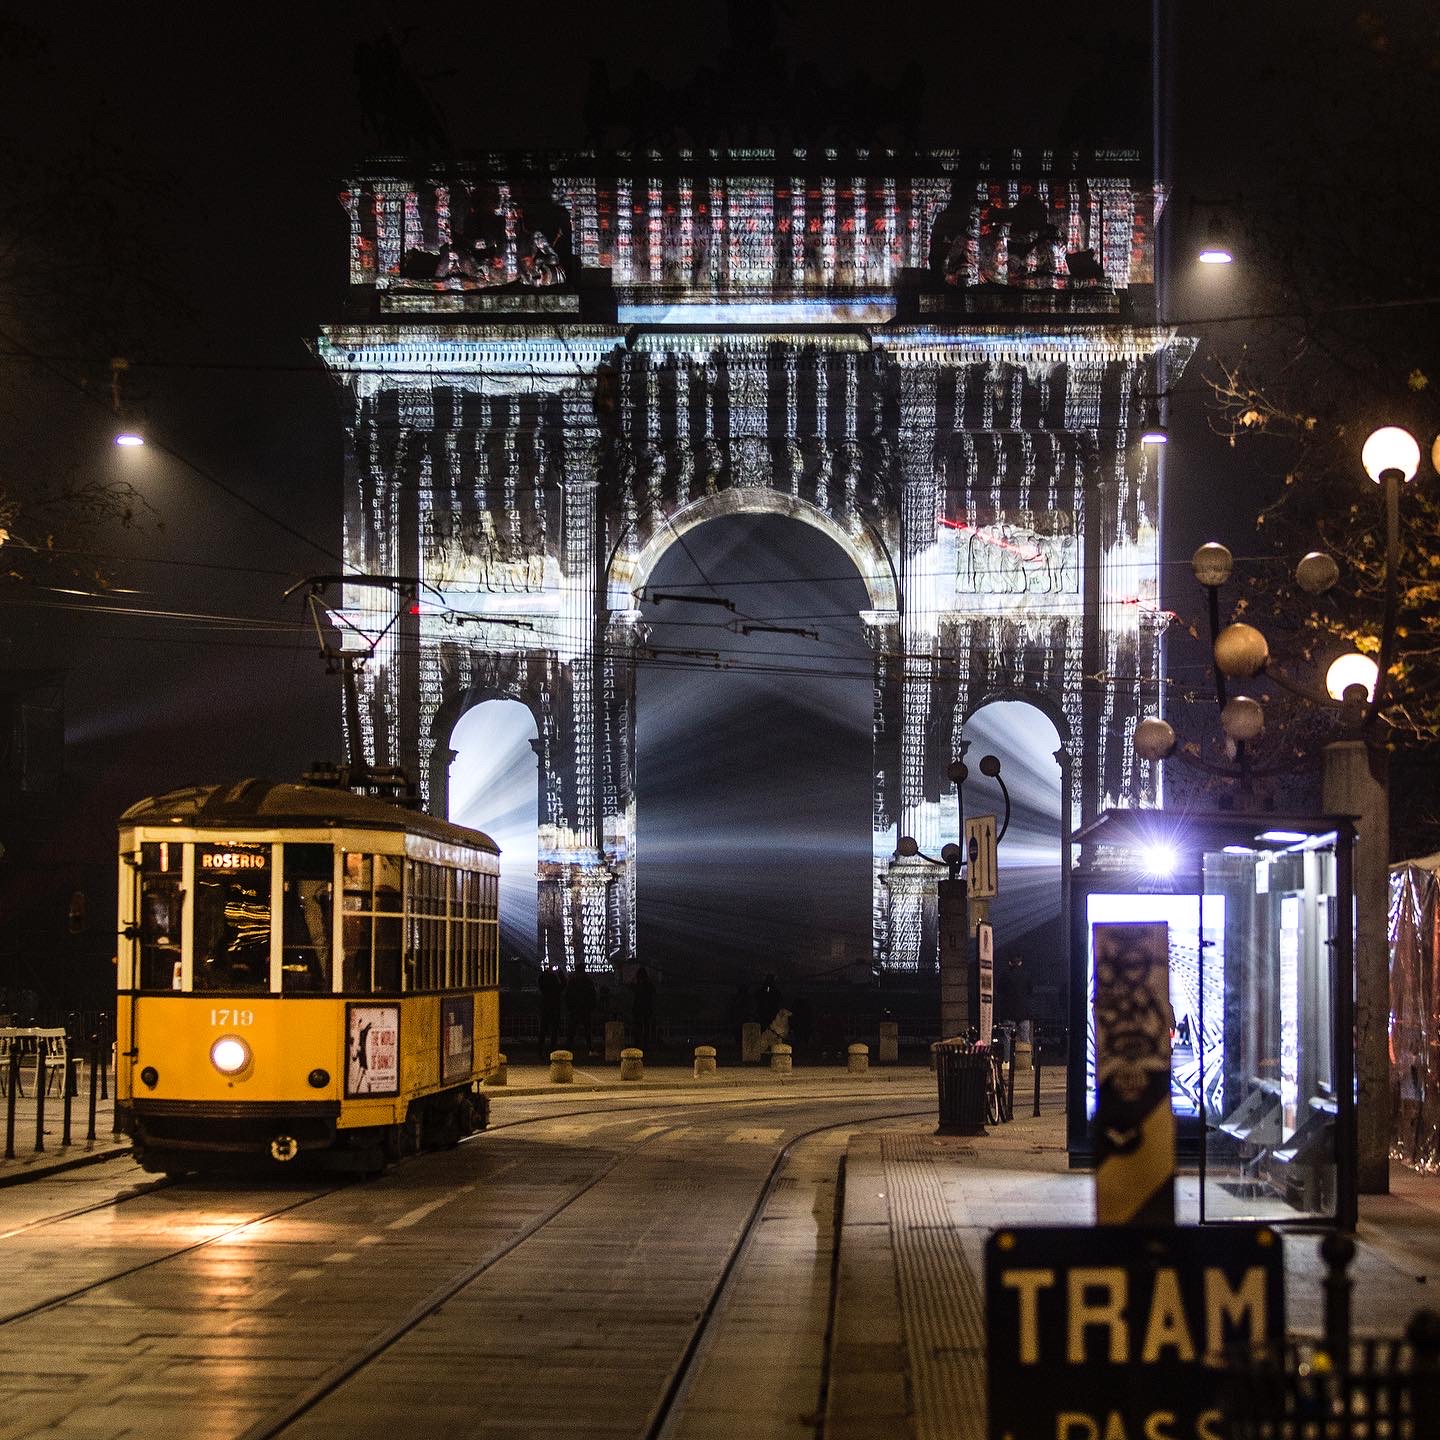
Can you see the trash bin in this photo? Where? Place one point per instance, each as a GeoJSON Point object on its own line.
{"type": "Point", "coordinates": [962, 1076]}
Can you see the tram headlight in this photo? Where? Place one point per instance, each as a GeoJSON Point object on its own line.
{"type": "Point", "coordinates": [230, 1055]}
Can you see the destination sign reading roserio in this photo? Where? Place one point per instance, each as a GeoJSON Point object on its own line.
{"type": "Point", "coordinates": [234, 860]}
{"type": "Point", "coordinates": [1115, 1332]}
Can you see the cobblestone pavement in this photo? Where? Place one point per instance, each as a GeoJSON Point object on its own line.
{"type": "Point", "coordinates": [610, 1259]}
{"type": "Point", "coordinates": [552, 1275]}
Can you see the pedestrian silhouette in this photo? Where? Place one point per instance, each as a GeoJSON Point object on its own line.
{"type": "Point", "coordinates": [579, 1009]}
{"type": "Point", "coordinates": [642, 1008]}
{"type": "Point", "coordinates": [551, 989]}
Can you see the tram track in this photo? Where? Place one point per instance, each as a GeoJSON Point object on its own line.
{"type": "Point", "coordinates": [40, 1307]}
{"type": "Point", "coordinates": [675, 1382]}
{"type": "Point", "coordinates": [673, 1111]}
{"type": "Point", "coordinates": [194, 1182]}
{"type": "Point", "coordinates": [172, 1182]}
{"type": "Point", "coordinates": [658, 1425]}
{"type": "Point", "coordinates": [165, 1182]}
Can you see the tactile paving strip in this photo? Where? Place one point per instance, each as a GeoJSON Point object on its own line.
{"type": "Point", "coordinates": [940, 1301]}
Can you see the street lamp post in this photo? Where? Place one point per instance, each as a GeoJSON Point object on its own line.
{"type": "Point", "coordinates": [1354, 774]}
{"type": "Point", "coordinates": [955, 919]}
{"type": "Point", "coordinates": [1356, 783]}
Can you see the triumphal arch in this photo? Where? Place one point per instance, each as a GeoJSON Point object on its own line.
{"type": "Point", "coordinates": [554, 365]}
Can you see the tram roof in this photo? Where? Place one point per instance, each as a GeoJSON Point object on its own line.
{"type": "Point", "coordinates": [266, 804]}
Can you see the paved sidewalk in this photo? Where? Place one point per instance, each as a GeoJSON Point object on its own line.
{"type": "Point", "coordinates": [909, 1338]}
{"type": "Point", "coordinates": [29, 1163]}
{"type": "Point", "coordinates": [595, 1074]}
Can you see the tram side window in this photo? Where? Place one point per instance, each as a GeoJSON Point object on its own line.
{"type": "Point", "coordinates": [232, 917]}
{"type": "Point", "coordinates": [309, 889]}
{"type": "Point", "coordinates": [459, 931]}
{"type": "Point", "coordinates": [357, 925]}
{"type": "Point", "coordinates": [161, 905]}
{"type": "Point", "coordinates": [388, 922]}
{"type": "Point", "coordinates": [371, 926]}
{"type": "Point", "coordinates": [426, 924]}
{"type": "Point", "coordinates": [490, 966]}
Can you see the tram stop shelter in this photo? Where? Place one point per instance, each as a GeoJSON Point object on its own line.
{"type": "Point", "coordinates": [1260, 916]}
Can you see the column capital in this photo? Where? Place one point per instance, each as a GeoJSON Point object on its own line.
{"type": "Point", "coordinates": [881, 629]}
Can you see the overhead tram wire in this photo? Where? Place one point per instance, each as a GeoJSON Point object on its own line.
{"type": "Point", "coordinates": [739, 656]}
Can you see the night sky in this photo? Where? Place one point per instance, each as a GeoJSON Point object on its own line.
{"type": "Point", "coordinates": [227, 133]}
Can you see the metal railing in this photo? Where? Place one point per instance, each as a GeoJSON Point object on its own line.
{"type": "Point", "coordinates": [91, 1071]}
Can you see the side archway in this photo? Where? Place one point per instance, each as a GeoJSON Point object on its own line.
{"type": "Point", "coordinates": [1029, 733]}
{"type": "Point", "coordinates": [493, 784]}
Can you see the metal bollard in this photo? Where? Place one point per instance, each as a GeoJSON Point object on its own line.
{"type": "Point", "coordinates": [40, 1077]}
{"type": "Point", "coordinates": [1010, 1082]}
{"type": "Point", "coordinates": [94, 1080]}
{"type": "Point", "coordinates": [70, 1086]}
{"type": "Point", "coordinates": [14, 1078]}
{"type": "Point", "coordinates": [1423, 1333]}
{"type": "Point", "coordinates": [1036, 1060]}
{"type": "Point", "coordinates": [632, 1063]}
{"type": "Point", "coordinates": [1337, 1251]}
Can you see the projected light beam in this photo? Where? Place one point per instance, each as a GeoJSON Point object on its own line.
{"type": "Point", "coordinates": [494, 787]}
{"type": "Point", "coordinates": [1026, 912]}
{"type": "Point", "coordinates": [754, 783]}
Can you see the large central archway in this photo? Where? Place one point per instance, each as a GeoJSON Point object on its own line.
{"type": "Point", "coordinates": [753, 764]}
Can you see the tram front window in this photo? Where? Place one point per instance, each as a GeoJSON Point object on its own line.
{"type": "Point", "coordinates": [309, 891]}
{"type": "Point", "coordinates": [161, 906]}
{"type": "Point", "coordinates": [232, 917]}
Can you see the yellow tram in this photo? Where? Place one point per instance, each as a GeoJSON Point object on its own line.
{"type": "Point", "coordinates": [259, 1020]}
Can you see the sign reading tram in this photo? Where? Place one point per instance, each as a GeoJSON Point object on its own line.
{"type": "Point", "coordinates": [1119, 1332]}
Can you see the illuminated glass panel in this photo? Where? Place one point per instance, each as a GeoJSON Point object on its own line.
{"type": "Point", "coordinates": [1197, 988]}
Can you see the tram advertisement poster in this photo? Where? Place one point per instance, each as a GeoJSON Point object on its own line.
{"type": "Point", "coordinates": [1121, 1332]}
{"type": "Point", "coordinates": [457, 1037]}
{"type": "Point", "coordinates": [372, 1052]}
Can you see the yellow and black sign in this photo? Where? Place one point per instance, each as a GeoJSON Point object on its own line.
{"type": "Point", "coordinates": [1120, 1332]}
{"type": "Point", "coordinates": [1134, 1124]}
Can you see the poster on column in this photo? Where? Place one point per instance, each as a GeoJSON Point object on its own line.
{"type": "Point", "coordinates": [985, 957]}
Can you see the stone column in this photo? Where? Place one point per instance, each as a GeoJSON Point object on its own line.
{"type": "Point", "coordinates": [882, 634]}
{"type": "Point", "coordinates": [1356, 783]}
{"type": "Point", "coordinates": [582, 871]}
{"type": "Point", "coordinates": [622, 634]}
